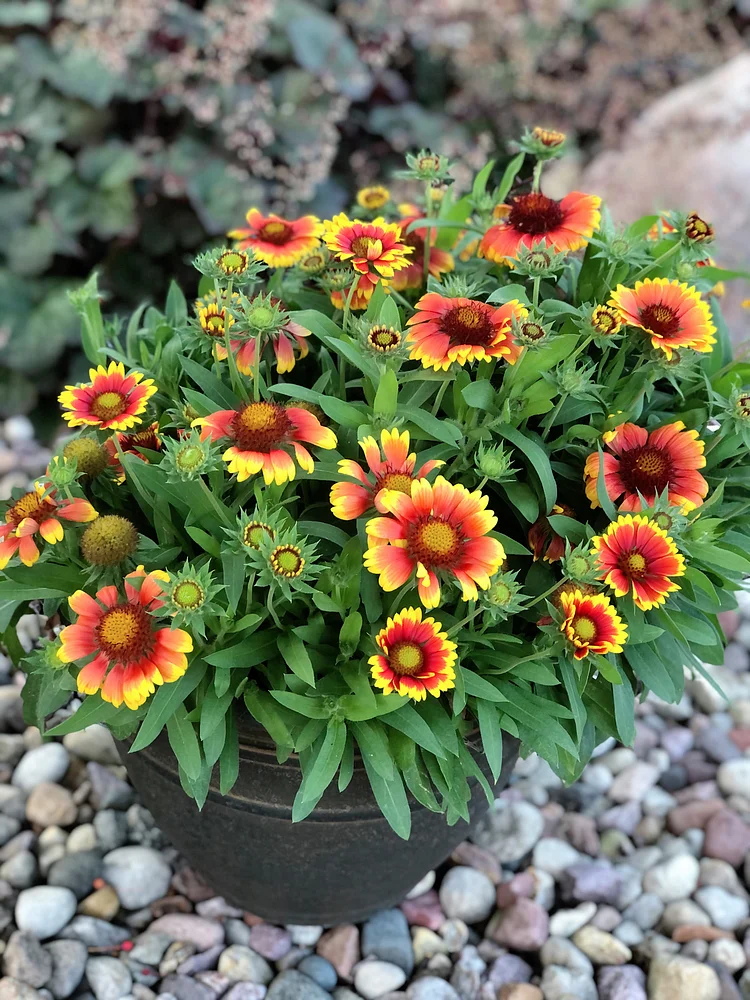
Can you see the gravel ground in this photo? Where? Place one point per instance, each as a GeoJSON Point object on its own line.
{"type": "Point", "coordinates": [631, 884]}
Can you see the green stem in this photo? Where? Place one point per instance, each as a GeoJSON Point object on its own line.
{"type": "Point", "coordinates": [256, 366]}
{"type": "Point", "coordinates": [546, 593]}
{"type": "Point", "coordinates": [439, 397]}
{"type": "Point", "coordinates": [428, 234]}
{"type": "Point", "coordinates": [535, 293]}
{"type": "Point", "coordinates": [400, 298]}
{"type": "Point", "coordinates": [657, 261]}
{"type": "Point", "coordinates": [214, 502]}
{"type": "Point", "coordinates": [464, 621]}
{"type": "Point", "coordinates": [348, 303]}
{"type": "Point", "coordinates": [399, 597]}
{"type": "Point", "coordinates": [581, 347]}
{"type": "Point", "coordinates": [553, 416]}
{"type": "Point", "coordinates": [537, 178]}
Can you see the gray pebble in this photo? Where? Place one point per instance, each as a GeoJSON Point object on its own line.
{"type": "Point", "coordinates": [48, 762]}
{"type": "Point", "coordinates": [319, 969]}
{"type": "Point", "coordinates": [386, 936]}
{"type": "Point", "coordinates": [725, 910]}
{"type": "Point", "coordinates": [111, 828]}
{"type": "Point", "coordinates": [93, 743]}
{"type": "Point", "coordinates": [68, 964]}
{"type": "Point", "coordinates": [9, 827]}
{"type": "Point", "coordinates": [559, 983]}
{"type": "Point", "coordinates": [139, 875]}
{"type": "Point", "coordinates": [107, 790]}
{"type": "Point", "coordinates": [431, 988]}
{"type": "Point", "coordinates": [186, 988]}
{"type": "Point", "coordinates": [95, 933]}
{"type": "Point", "coordinates": [510, 831]}
{"type": "Point", "coordinates": [293, 985]}
{"type": "Point", "coordinates": [26, 960]}
{"type": "Point", "coordinates": [76, 872]}
{"type": "Point", "coordinates": [12, 989]}
{"type": "Point", "coordinates": [20, 870]}
{"type": "Point", "coordinates": [240, 964]}
{"type": "Point", "coordinates": [108, 977]}
{"type": "Point", "coordinates": [467, 894]}
{"type": "Point", "coordinates": [44, 910]}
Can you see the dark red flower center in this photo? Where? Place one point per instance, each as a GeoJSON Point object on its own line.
{"type": "Point", "coordinates": [434, 542]}
{"type": "Point", "coordinates": [633, 564]}
{"type": "Point", "coordinates": [261, 427]}
{"type": "Point", "coordinates": [646, 470]}
{"type": "Point", "coordinates": [125, 633]}
{"type": "Point", "coordinates": [29, 505]}
{"type": "Point", "coordinates": [108, 405]}
{"type": "Point", "coordinates": [361, 245]}
{"type": "Point", "coordinates": [384, 338]}
{"type": "Point", "coordinates": [141, 439]}
{"type": "Point", "coordinates": [660, 320]}
{"type": "Point", "coordinates": [406, 658]}
{"type": "Point", "coordinates": [276, 232]}
{"type": "Point", "coordinates": [416, 241]}
{"type": "Point", "coordinates": [535, 213]}
{"type": "Point", "coordinates": [469, 324]}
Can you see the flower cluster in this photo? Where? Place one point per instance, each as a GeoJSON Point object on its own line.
{"type": "Point", "coordinates": [434, 450]}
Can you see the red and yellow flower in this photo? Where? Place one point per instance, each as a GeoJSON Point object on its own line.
{"type": "Point", "coordinates": [374, 249]}
{"type": "Point", "coordinates": [36, 513]}
{"type": "Point", "coordinates": [276, 241]}
{"type": "Point", "coordinates": [262, 434]}
{"type": "Point", "coordinates": [441, 528]}
{"type": "Point", "coordinates": [639, 462]}
{"type": "Point", "coordinates": [544, 541]}
{"type": "Point", "coordinates": [606, 320]}
{"type": "Point", "coordinates": [440, 261]}
{"type": "Point", "coordinates": [534, 218]}
{"type": "Point", "coordinates": [671, 313]}
{"type": "Point", "coordinates": [446, 330]}
{"type": "Point", "coordinates": [591, 624]}
{"type": "Point", "coordinates": [148, 438]}
{"type": "Point", "coordinates": [416, 658]}
{"type": "Point", "coordinates": [111, 400]}
{"type": "Point", "coordinates": [131, 655]}
{"type": "Point", "coordinates": [394, 471]}
{"type": "Point", "coordinates": [286, 339]}
{"type": "Point", "coordinates": [634, 552]}
{"type": "Point", "coordinates": [360, 297]}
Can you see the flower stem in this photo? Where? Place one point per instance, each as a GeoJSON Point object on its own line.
{"type": "Point", "coordinates": [553, 416]}
{"type": "Point", "coordinates": [658, 261]}
{"type": "Point", "coordinates": [546, 593]}
{"type": "Point", "coordinates": [348, 303]}
{"type": "Point", "coordinates": [537, 283]}
{"type": "Point", "coordinates": [439, 397]}
{"type": "Point", "coordinates": [428, 235]}
{"type": "Point", "coordinates": [537, 177]}
{"type": "Point", "coordinates": [256, 367]}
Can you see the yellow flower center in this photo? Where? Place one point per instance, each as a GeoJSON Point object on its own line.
{"type": "Point", "coordinates": [233, 262]}
{"type": "Point", "coordinates": [434, 542]}
{"type": "Point", "coordinates": [124, 633]}
{"type": "Point", "coordinates": [108, 405]}
{"type": "Point", "coordinates": [650, 462]}
{"type": "Point", "coordinates": [253, 533]}
{"type": "Point", "coordinates": [108, 540]}
{"type": "Point", "coordinates": [275, 232]}
{"type": "Point", "coordinates": [90, 457]}
{"type": "Point", "coordinates": [406, 658]}
{"type": "Point", "coordinates": [361, 245]}
{"type": "Point", "coordinates": [373, 197]}
{"type": "Point", "coordinates": [261, 426]}
{"type": "Point", "coordinates": [188, 594]}
{"type": "Point", "coordinates": [584, 628]}
{"type": "Point", "coordinates": [605, 320]}
{"type": "Point", "coordinates": [396, 481]}
{"type": "Point", "coordinates": [29, 505]}
{"type": "Point", "coordinates": [384, 338]}
{"type": "Point", "coordinates": [287, 561]}
{"type": "Point", "coordinates": [634, 564]}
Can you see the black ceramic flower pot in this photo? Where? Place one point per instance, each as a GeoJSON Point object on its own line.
{"type": "Point", "coordinates": [341, 864]}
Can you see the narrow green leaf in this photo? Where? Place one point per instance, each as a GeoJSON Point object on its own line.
{"type": "Point", "coordinates": [296, 657]}
{"type": "Point", "coordinates": [386, 397]}
{"type": "Point", "coordinates": [492, 736]}
{"type": "Point", "coordinates": [624, 702]}
{"type": "Point", "coordinates": [538, 461]}
{"type": "Point", "coordinates": [510, 174]}
{"type": "Point", "coordinates": [229, 761]}
{"type": "Point", "coordinates": [326, 762]}
{"type": "Point", "coordinates": [165, 702]}
{"type": "Point", "coordinates": [373, 747]}
{"type": "Point", "coordinates": [184, 742]}
{"type": "Point", "coordinates": [409, 722]}
{"type": "Point", "coordinates": [574, 696]}
{"type": "Point", "coordinates": [390, 795]}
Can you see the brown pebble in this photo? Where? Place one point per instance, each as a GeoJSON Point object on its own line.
{"type": "Point", "coordinates": [697, 932]}
{"type": "Point", "coordinates": [340, 946]}
{"type": "Point", "coordinates": [520, 991]}
{"type": "Point", "coordinates": [171, 904]}
{"type": "Point", "coordinates": [252, 920]}
{"type": "Point", "coordinates": [740, 738]}
{"type": "Point", "coordinates": [693, 815]}
{"type": "Point", "coordinates": [477, 857]}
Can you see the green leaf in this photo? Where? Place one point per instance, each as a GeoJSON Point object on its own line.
{"type": "Point", "coordinates": [409, 722]}
{"type": "Point", "coordinates": [296, 657]}
{"type": "Point", "coordinates": [386, 397]}
{"type": "Point", "coordinates": [510, 174]}
{"type": "Point", "coordinates": [647, 665]}
{"type": "Point", "coordinates": [492, 736]}
{"type": "Point", "coordinates": [390, 795]}
{"type": "Point", "coordinates": [213, 709]}
{"type": "Point", "coordinates": [442, 725]}
{"type": "Point", "coordinates": [721, 557]}
{"type": "Point", "coordinates": [373, 747]}
{"type": "Point", "coordinates": [233, 571]}
{"type": "Point", "coordinates": [480, 181]}
{"type": "Point", "coordinates": [207, 542]}
{"type": "Point", "coordinates": [311, 707]}
{"type": "Point", "coordinates": [263, 709]}
{"type": "Point", "coordinates": [507, 293]}
{"type": "Point", "coordinates": [165, 702]}
{"type": "Point", "coordinates": [346, 767]}
{"type": "Point", "coordinates": [184, 742]}
{"type": "Point", "coordinates": [94, 709]}
{"type": "Point", "coordinates": [350, 633]}
{"type": "Point", "coordinates": [480, 687]}
{"type": "Point", "coordinates": [523, 498]}
{"type": "Point", "coordinates": [176, 309]}
{"type": "Point", "coordinates": [248, 653]}
{"type": "Point", "coordinates": [601, 490]}
{"type": "Point", "coordinates": [229, 761]}
{"type": "Point", "coordinates": [326, 762]}
{"type": "Point", "coordinates": [537, 459]}
{"type": "Point", "coordinates": [624, 702]}
{"type": "Point", "coordinates": [568, 527]}
{"type": "Point", "coordinates": [574, 695]}
{"type": "Point", "coordinates": [480, 394]}
{"type": "Point", "coordinates": [389, 315]}
{"type": "Point", "coordinates": [441, 430]}
{"type": "Point", "coordinates": [213, 387]}
{"type": "Point", "coordinates": [213, 744]}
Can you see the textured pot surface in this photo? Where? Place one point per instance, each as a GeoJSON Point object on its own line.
{"type": "Point", "coordinates": [340, 864]}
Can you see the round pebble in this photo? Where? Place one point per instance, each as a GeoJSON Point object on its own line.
{"type": "Point", "coordinates": [467, 894]}
{"type": "Point", "coordinates": [44, 910]}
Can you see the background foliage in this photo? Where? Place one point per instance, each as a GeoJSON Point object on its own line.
{"type": "Point", "coordinates": [131, 133]}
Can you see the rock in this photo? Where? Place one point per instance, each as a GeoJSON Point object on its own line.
{"type": "Point", "coordinates": [93, 743]}
{"type": "Point", "coordinates": [269, 941]}
{"type": "Point", "coordinates": [95, 933]}
{"type": "Point", "coordinates": [725, 910]}
{"type": "Point", "coordinates": [185, 988]}
{"type": "Point", "coordinates": [600, 947]}
{"type": "Point", "coordinates": [218, 908]}
{"type": "Point", "coordinates": [9, 827]}
{"type": "Point", "coordinates": [103, 904]}
{"type": "Point", "coordinates": [524, 926]}
{"type": "Point", "coordinates": [646, 911]}
{"type": "Point", "coordinates": [473, 856]}
{"type": "Point", "coordinates": [693, 815]}
{"type": "Point", "coordinates": [26, 960]}
{"type": "Point", "coordinates": [673, 977]}
{"type": "Point", "coordinates": [683, 912]}
{"type": "Point", "coordinates": [149, 949]}
{"type": "Point", "coordinates": [177, 954]}
{"type": "Point", "coordinates": [108, 977]}
{"type": "Point", "coordinates": [629, 933]}
{"type": "Point", "coordinates": [455, 935]}
{"type": "Point", "coordinates": [674, 879]}
{"type": "Point", "coordinates": [727, 837]}
{"type": "Point", "coordinates": [467, 895]}
{"type": "Point", "coordinates": [431, 988]}
{"type": "Point", "coordinates": [12, 802]}
{"type": "Point", "coordinates": [520, 991]}
{"type": "Point", "coordinates": [12, 989]}
{"type": "Point", "coordinates": [565, 923]}
{"type": "Point", "coordinates": [424, 911]}
{"type": "Point", "coordinates": [624, 818]}
{"type": "Point", "coordinates": [204, 934]}
{"type": "Point", "coordinates": [733, 777]}
{"type": "Point", "coordinates": [386, 936]}
{"type": "Point", "coordinates": [107, 790]}
{"type": "Point", "coordinates": [240, 964]}
{"type": "Point", "coordinates": [509, 968]}
{"type": "Point", "coordinates": [510, 831]}
{"type": "Point", "coordinates": [50, 805]}
{"type": "Point", "coordinates": [320, 970]}
{"type": "Point", "coordinates": [139, 876]}
{"type": "Point", "coordinates": [82, 838]}
{"type": "Point", "coordinates": [561, 951]}
{"type": "Point", "coordinates": [68, 964]}
{"type": "Point", "coordinates": [468, 972]}
{"type": "Point", "coordinates": [559, 983]}
{"type": "Point", "coordinates": [581, 833]}
{"type": "Point", "coordinates": [246, 991]}
{"type": "Point", "coordinates": [632, 783]}
{"type": "Point", "coordinates": [11, 748]}
{"type": "Point", "coordinates": [624, 982]}
{"type": "Point", "coordinates": [111, 828]}
{"type": "Point", "coordinates": [340, 946]}
{"type": "Point", "coordinates": [20, 870]}
{"type": "Point", "coordinates": [200, 962]}
{"type": "Point", "coordinates": [554, 856]}
{"type": "Point", "coordinates": [46, 763]}
{"type": "Point", "coordinates": [76, 872]}
{"type": "Point", "coordinates": [44, 910]}
{"type": "Point", "coordinates": [373, 978]}
{"type": "Point", "coordinates": [594, 881]}
{"type": "Point", "coordinates": [428, 881]}
{"type": "Point", "coordinates": [728, 953]}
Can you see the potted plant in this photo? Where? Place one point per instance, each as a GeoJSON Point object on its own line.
{"type": "Point", "coordinates": [397, 495]}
